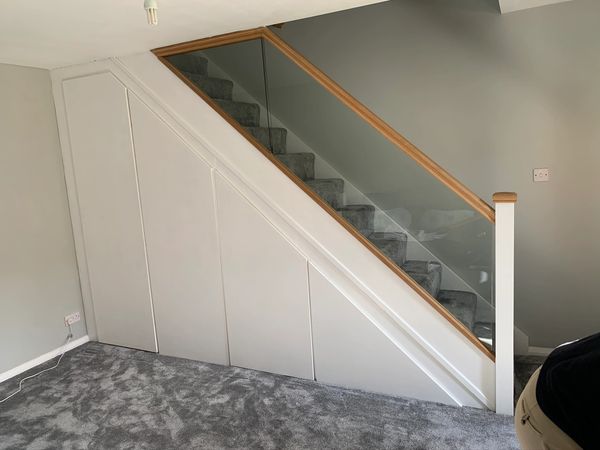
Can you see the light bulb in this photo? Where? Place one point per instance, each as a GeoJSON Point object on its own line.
{"type": "Point", "coordinates": [151, 7]}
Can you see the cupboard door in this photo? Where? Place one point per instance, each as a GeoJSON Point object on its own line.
{"type": "Point", "coordinates": [181, 237]}
{"type": "Point", "coordinates": [266, 290]}
{"type": "Point", "coordinates": [109, 207]}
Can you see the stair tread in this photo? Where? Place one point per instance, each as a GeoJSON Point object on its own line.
{"type": "Point", "coordinates": [216, 88]}
{"type": "Point", "coordinates": [302, 164]}
{"type": "Point", "coordinates": [357, 207]}
{"type": "Point", "coordinates": [329, 189]}
{"type": "Point", "coordinates": [361, 217]}
{"type": "Point", "coordinates": [190, 62]}
{"type": "Point", "coordinates": [392, 244]}
{"type": "Point", "coordinates": [418, 266]}
{"type": "Point", "coordinates": [335, 184]}
{"type": "Point", "coordinates": [246, 114]}
{"type": "Point", "coordinates": [274, 138]}
{"type": "Point", "coordinates": [462, 304]}
{"type": "Point", "coordinates": [484, 330]}
{"type": "Point", "coordinates": [430, 281]}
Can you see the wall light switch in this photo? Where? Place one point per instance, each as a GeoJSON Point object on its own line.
{"type": "Point", "coordinates": [541, 175]}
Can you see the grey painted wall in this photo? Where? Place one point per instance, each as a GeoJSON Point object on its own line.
{"type": "Point", "coordinates": [490, 97]}
{"type": "Point", "coordinates": [39, 283]}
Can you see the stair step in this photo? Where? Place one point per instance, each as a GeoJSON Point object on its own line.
{"type": "Point", "coordinates": [329, 189]}
{"type": "Point", "coordinates": [417, 266]}
{"type": "Point", "coordinates": [302, 164]}
{"type": "Point", "coordinates": [246, 114]}
{"type": "Point", "coordinates": [462, 305]}
{"type": "Point", "coordinates": [484, 330]}
{"type": "Point", "coordinates": [274, 138]}
{"type": "Point", "coordinates": [392, 244]}
{"type": "Point", "coordinates": [216, 88]}
{"type": "Point", "coordinates": [427, 273]}
{"type": "Point", "coordinates": [190, 62]}
{"type": "Point", "coordinates": [429, 281]}
{"type": "Point", "coordinates": [362, 217]}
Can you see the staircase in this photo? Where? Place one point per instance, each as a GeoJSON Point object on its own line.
{"type": "Point", "coordinates": [428, 274]}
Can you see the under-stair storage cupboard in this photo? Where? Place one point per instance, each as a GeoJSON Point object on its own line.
{"type": "Point", "coordinates": [200, 233]}
{"type": "Point", "coordinates": [160, 274]}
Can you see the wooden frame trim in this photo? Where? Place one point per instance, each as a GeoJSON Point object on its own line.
{"type": "Point", "coordinates": [361, 110]}
{"type": "Point", "coordinates": [214, 41]}
{"type": "Point", "coordinates": [505, 197]}
{"type": "Point", "coordinates": [333, 213]}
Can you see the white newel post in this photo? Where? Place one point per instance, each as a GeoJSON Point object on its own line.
{"type": "Point", "coordinates": [504, 300]}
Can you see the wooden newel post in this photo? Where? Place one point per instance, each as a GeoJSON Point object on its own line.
{"type": "Point", "coordinates": [504, 300]}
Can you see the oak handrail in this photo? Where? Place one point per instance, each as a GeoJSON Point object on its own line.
{"type": "Point", "coordinates": [505, 197]}
{"type": "Point", "coordinates": [335, 89]}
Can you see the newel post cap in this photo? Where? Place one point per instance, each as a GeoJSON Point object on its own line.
{"type": "Point", "coordinates": [505, 197]}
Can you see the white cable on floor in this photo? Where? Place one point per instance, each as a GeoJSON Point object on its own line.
{"type": "Point", "coordinates": [69, 337]}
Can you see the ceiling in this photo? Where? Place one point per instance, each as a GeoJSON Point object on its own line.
{"type": "Point", "coordinates": [58, 33]}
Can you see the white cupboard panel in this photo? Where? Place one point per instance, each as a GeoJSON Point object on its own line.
{"type": "Point", "coordinates": [350, 351]}
{"type": "Point", "coordinates": [103, 161]}
{"type": "Point", "coordinates": [176, 191]}
{"type": "Point", "coordinates": [266, 290]}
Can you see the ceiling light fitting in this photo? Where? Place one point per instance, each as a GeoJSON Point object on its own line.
{"type": "Point", "coordinates": [151, 7]}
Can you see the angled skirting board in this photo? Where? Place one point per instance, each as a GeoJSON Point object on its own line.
{"type": "Point", "coordinates": [109, 209]}
{"type": "Point", "coordinates": [178, 211]}
{"type": "Point", "coordinates": [350, 351]}
{"type": "Point", "coordinates": [266, 290]}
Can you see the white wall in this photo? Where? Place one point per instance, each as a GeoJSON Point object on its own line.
{"type": "Point", "coordinates": [38, 274]}
{"type": "Point", "coordinates": [490, 97]}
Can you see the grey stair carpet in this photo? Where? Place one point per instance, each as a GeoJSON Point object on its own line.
{"type": "Point", "coordinates": [394, 245]}
{"type": "Point", "coordinates": [462, 305]}
{"type": "Point", "coordinates": [427, 273]}
{"type": "Point", "coordinates": [429, 281]}
{"type": "Point", "coordinates": [302, 164]}
{"type": "Point", "coordinates": [524, 368]}
{"type": "Point", "coordinates": [104, 397]}
{"type": "Point", "coordinates": [361, 217]}
{"type": "Point", "coordinates": [246, 114]}
{"type": "Point", "coordinates": [329, 189]}
{"type": "Point", "coordinates": [190, 62]}
{"type": "Point", "coordinates": [216, 88]}
{"type": "Point", "coordinates": [417, 266]}
{"type": "Point", "coordinates": [484, 330]}
{"type": "Point", "coordinates": [274, 139]}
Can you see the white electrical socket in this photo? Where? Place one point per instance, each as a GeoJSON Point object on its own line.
{"type": "Point", "coordinates": [72, 318]}
{"type": "Point", "coordinates": [541, 175]}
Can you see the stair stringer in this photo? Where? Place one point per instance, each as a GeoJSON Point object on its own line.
{"type": "Point", "coordinates": [443, 353]}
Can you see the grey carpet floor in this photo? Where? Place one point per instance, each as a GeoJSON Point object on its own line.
{"type": "Point", "coordinates": [105, 397]}
{"type": "Point", "coordinates": [524, 368]}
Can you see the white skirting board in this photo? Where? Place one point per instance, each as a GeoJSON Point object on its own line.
{"type": "Point", "coordinates": [43, 358]}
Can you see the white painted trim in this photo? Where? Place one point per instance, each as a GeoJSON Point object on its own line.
{"type": "Point", "coordinates": [43, 358]}
{"type": "Point", "coordinates": [505, 306]}
{"type": "Point", "coordinates": [507, 6]}
{"type": "Point", "coordinates": [539, 351]}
